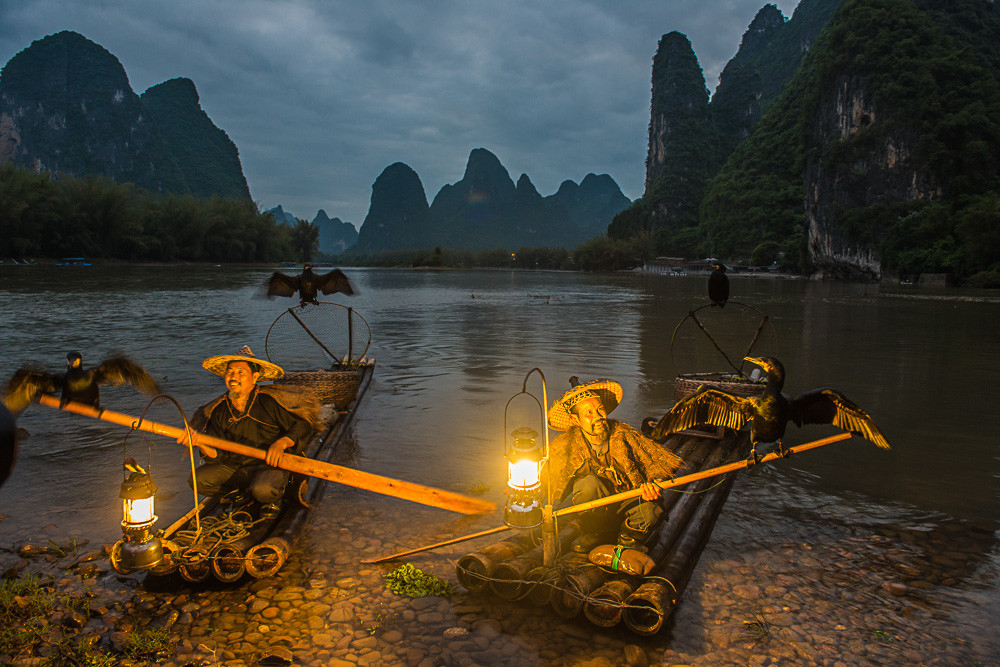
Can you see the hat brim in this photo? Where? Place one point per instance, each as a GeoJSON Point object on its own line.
{"type": "Point", "coordinates": [610, 393]}
{"type": "Point", "coordinates": [218, 364]}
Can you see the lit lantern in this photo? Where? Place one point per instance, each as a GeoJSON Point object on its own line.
{"type": "Point", "coordinates": [524, 465]}
{"type": "Point", "coordinates": [139, 549]}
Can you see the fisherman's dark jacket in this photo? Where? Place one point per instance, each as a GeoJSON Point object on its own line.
{"type": "Point", "coordinates": [274, 413]}
{"type": "Point", "coordinates": [635, 458]}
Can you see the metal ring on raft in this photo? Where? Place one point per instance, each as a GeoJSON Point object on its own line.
{"type": "Point", "coordinates": [228, 563]}
{"type": "Point", "coordinates": [265, 559]}
{"type": "Point", "coordinates": [196, 566]}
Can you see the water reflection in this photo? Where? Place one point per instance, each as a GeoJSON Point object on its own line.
{"type": "Point", "coordinates": [453, 346]}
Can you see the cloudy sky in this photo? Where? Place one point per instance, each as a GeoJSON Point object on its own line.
{"type": "Point", "coordinates": [321, 95]}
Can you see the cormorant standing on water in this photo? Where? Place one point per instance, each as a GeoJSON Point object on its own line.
{"type": "Point", "coordinates": [769, 413]}
{"type": "Point", "coordinates": [77, 383]}
{"type": "Point", "coordinates": [308, 284]}
{"type": "Point", "coordinates": [718, 286]}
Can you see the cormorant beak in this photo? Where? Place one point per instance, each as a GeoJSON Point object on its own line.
{"type": "Point", "coordinates": [758, 361]}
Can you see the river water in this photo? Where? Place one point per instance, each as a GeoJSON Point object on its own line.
{"type": "Point", "coordinates": [453, 346]}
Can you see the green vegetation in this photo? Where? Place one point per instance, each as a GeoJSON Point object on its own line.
{"type": "Point", "coordinates": [93, 217]}
{"type": "Point", "coordinates": [916, 180]}
{"type": "Point", "coordinates": [34, 622]}
{"type": "Point", "coordinates": [26, 607]}
{"type": "Point", "coordinates": [598, 254]}
{"type": "Point", "coordinates": [305, 239]}
{"type": "Point", "coordinates": [409, 580]}
{"type": "Point", "coordinates": [756, 630]}
{"type": "Point", "coordinates": [148, 643]}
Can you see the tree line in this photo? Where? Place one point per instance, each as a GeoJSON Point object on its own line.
{"type": "Point", "coordinates": [44, 215]}
{"type": "Point", "coordinates": [597, 254]}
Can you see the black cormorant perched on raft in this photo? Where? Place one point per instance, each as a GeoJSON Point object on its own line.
{"type": "Point", "coordinates": [78, 383]}
{"type": "Point", "coordinates": [769, 413]}
{"type": "Point", "coordinates": [308, 284]}
{"type": "Point", "coordinates": [718, 286]}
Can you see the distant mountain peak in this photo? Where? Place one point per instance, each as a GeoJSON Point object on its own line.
{"type": "Point", "coordinates": [66, 106]}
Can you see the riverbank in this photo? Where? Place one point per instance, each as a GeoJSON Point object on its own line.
{"type": "Point", "coordinates": [859, 595]}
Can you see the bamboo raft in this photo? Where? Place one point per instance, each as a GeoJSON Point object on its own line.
{"type": "Point", "coordinates": [512, 569]}
{"type": "Point", "coordinates": [199, 549]}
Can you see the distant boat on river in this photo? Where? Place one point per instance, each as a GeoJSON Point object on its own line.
{"type": "Point", "coordinates": [73, 261]}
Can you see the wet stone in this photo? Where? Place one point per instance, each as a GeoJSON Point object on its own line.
{"type": "Point", "coordinates": [372, 658]}
{"type": "Point", "coordinates": [258, 605]}
{"type": "Point", "coordinates": [342, 613]}
{"type": "Point", "coordinates": [392, 636]}
{"type": "Point", "coordinates": [896, 588]}
{"type": "Point", "coordinates": [277, 655]}
{"type": "Point", "coordinates": [430, 617]}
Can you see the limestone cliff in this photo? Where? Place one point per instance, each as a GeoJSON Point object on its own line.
{"type": "Point", "coordinates": [207, 157]}
{"type": "Point", "coordinates": [398, 217]}
{"type": "Point", "coordinates": [66, 106]}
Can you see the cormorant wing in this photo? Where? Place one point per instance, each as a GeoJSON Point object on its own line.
{"type": "Point", "coordinates": [120, 370]}
{"type": "Point", "coordinates": [25, 386]}
{"type": "Point", "coordinates": [708, 406]}
{"type": "Point", "coordinates": [281, 285]}
{"type": "Point", "coordinates": [335, 281]}
{"type": "Point", "coordinates": [829, 406]}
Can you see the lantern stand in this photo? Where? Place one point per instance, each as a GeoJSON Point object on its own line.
{"type": "Point", "coordinates": [525, 462]}
{"type": "Point", "coordinates": [140, 548]}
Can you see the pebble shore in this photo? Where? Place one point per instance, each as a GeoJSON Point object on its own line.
{"type": "Point", "coordinates": [773, 587]}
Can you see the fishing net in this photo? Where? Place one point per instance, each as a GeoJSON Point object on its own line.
{"type": "Point", "coordinates": [318, 336]}
{"type": "Point", "coordinates": [717, 339]}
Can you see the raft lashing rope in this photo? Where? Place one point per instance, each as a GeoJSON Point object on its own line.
{"type": "Point", "coordinates": [512, 569]}
{"type": "Point", "coordinates": [218, 548]}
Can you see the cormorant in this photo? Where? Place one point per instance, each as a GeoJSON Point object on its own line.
{"type": "Point", "coordinates": [308, 284]}
{"type": "Point", "coordinates": [718, 286]}
{"type": "Point", "coordinates": [769, 413]}
{"type": "Point", "coordinates": [78, 383]}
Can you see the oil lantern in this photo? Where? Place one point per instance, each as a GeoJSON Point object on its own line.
{"type": "Point", "coordinates": [140, 550]}
{"type": "Point", "coordinates": [524, 463]}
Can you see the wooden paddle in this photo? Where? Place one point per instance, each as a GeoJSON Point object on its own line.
{"type": "Point", "coordinates": [634, 493]}
{"type": "Point", "coordinates": [417, 493]}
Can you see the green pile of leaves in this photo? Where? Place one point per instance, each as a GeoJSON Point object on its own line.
{"type": "Point", "coordinates": [409, 580]}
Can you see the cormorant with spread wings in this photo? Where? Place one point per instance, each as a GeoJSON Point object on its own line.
{"type": "Point", "coordinates": [769, 413]}
{"type": "Point", "coordinates": [308, 284]}
{"type": "Point", "coordinates": [78, 383]}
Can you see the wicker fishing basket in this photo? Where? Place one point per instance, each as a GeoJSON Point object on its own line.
{"type": "Point", "coordinates": [336, 387]}
{"type": "Point", "coordinates": [691, 383]}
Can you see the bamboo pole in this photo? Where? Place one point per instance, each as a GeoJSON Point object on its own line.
{"type": "Point", "coordinates": [634, 493]}
{"type": "Point", "coordinates": [417, 493]}
{"type": "Point", "coordinates": [711, 472]}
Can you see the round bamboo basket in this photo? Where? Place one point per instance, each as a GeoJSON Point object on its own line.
{"type": "Point", "coordinates": [690, 384]}
{"type": "Point", "coordinates": [336, 387]}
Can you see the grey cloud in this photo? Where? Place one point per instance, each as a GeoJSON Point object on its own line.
{"type": "Point", "coordinates": [321, 96]}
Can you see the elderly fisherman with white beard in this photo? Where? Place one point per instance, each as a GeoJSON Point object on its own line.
{"type": "Point", "coordinates": [597, 457]}
{"type": "Point", "coordinates": [274, 418]}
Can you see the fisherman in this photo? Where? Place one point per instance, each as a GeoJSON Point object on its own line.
{"type": "Point", "coordinates": [277, 419]}
{"type": "Point", "coordinates": [597, 457]}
